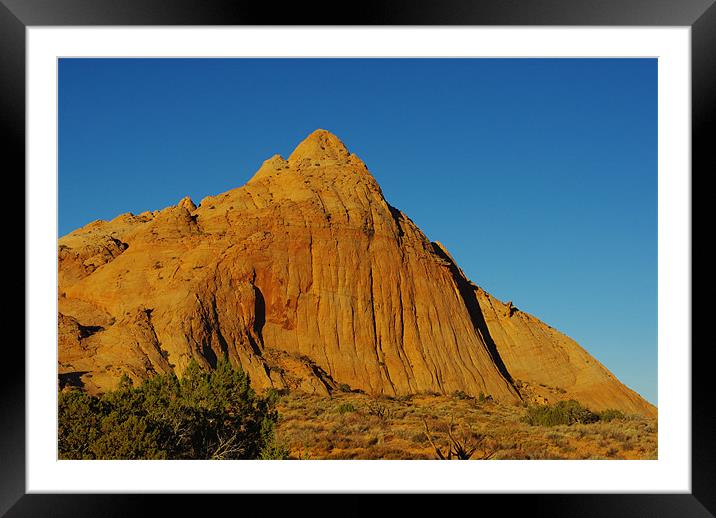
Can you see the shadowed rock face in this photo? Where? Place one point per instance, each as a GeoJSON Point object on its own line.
{"type": "Point", "coordinates": [308, 279]}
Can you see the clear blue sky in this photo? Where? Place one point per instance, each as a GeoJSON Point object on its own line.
{"type": "Point", "coordinates": [539, 175]}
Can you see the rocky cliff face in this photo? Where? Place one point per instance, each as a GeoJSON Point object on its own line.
{"type": "Point", "coordinates": [308, 279]}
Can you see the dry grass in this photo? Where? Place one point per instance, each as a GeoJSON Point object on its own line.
{"type": "Point", "coordinates": [358, 426]}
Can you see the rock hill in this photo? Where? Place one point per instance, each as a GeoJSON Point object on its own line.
{"type": "Point", "coordinates": [309, 280]}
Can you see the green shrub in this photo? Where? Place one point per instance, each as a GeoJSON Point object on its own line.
{"type": "Point", "coordinates": [344, 408]}
{"type": "Point", "coordinates": [203, 415]}
{"type": "Point", "coordinates": [610, 414]}
{"type": "Point", "coordinates": [274, 451]}
{"type": "Point", "coordinates": [78, 426]}
{"type": "Point", "coordinates": [562, 412]}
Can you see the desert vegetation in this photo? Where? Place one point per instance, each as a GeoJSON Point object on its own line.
{"type": "Point", "coordinates": [217, 415]}
{"type": "Point", "coordinates": [203, 415]}
{"type": "Point", "coordinates": [352, 425]}
{"type": "Point", "coordinates": [567, 412]}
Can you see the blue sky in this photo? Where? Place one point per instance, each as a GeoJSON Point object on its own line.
{"type": "Point", "coordinates": [539, 175]}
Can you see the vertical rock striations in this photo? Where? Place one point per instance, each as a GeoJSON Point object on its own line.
{"type": "Point", "coordinates": [308, 279]}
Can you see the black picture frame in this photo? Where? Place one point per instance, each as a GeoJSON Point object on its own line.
{"type": "Point", "coordinates": [17, 15]}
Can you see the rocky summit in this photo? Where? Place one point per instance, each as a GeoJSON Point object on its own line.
{"type": "Point", "coordinates": [310, 280]}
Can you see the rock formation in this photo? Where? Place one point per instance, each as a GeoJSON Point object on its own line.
{"type": "Point", "coordinates": [308, 279]}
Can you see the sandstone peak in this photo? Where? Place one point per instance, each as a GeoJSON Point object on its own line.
{"type": "Point", "coordinates": [307, 278]}
{"type": "Point", "coordinates": [187, 203]}
{"type": "Point", "coordinates": [320, 145]}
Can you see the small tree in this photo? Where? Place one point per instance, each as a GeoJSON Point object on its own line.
{"type": "Point", "coordinates": [203, 415]}
{"type": "Point", "coordinates": [78, 425]}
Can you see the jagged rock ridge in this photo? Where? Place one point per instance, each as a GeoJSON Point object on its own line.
{"type": "Point", "coordinates": [308, 279]}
